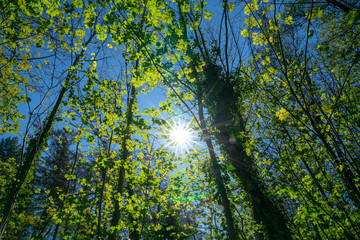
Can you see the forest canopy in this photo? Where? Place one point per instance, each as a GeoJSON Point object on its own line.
{"type": "Point", "coordinates": [179, 119]}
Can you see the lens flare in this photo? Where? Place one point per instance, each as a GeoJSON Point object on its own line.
{"type": "Point", "coordinates": [181, 137]}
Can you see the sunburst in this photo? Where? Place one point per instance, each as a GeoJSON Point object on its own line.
{"type": "Point", "coordinates": [180, 136]}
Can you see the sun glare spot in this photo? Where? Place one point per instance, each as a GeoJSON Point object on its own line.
{"type": "Point", "coordinates": [180, 137]}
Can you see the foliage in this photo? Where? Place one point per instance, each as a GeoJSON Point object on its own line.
{"type": "Point", "coordinates": [91, 88]}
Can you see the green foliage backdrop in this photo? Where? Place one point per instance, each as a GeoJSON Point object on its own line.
{"type": "Point", "coordinates": [89, 92]}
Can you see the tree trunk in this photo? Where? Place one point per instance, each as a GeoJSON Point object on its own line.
{"type": "Point", "coordinates": [35, 148]}
{"type": "Point", "coordinates": [265, 210]}
{"type": "Point", "coordinates": [215, 166]}
{"type": "Point", "coordinates": [133, 233]}
{"type": "Point", "coordinates": [124, 157]}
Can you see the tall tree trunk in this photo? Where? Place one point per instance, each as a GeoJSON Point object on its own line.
{"type": "Point", "coordinates": [67, 189]}
{"type": "Point", "coordinates": [265, 210]}
{"type": "Point", "coordinates": [124, 157]}
{"type": "Point", "coordinates": [215, 166]}
{"type": "Point", "coordinates": [133, 233]}
{"type": "Point", "coordinates": [36, 146]}
{"type": "Point", "coordinates": [33, 152]}
{"type": "Point", "coordinates": [100, 203]}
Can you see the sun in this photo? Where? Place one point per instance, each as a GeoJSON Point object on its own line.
{"type": "Point", "coordinates": [181, 136]}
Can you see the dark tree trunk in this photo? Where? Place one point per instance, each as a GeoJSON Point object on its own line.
{"type": "Point", "coordinates": [215, 166]}
{"type": "Point", "coordinates": [229, 122]}
{"type": "Point", "coordinates": [124, 157]}
{"type": "Point", "coordinates": [35, 148]}
{"type": "Point", "coordinates": [33, 153]}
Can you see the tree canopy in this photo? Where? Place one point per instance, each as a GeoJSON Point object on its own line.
{"type": "Point", "coordinates": [179, 119]}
